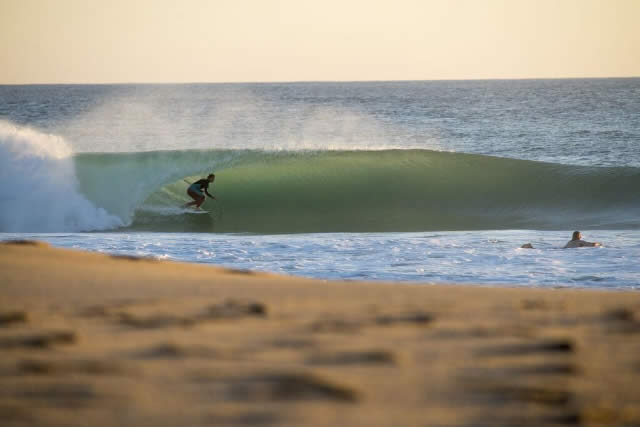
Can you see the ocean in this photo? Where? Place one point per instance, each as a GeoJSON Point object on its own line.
{"type": "Point", "coordinates": [423, 182]}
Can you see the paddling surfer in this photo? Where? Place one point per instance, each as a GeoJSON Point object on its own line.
{"type": "Point", "coordinates": [195, 191]}
{"type": "Point", "coordinates": [577, 242]}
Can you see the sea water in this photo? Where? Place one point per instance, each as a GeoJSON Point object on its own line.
{"type": "Point", "coordinates": [427, 182]}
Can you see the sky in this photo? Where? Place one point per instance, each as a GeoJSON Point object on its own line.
{"type": "Point", "coordinates": [116, 41]}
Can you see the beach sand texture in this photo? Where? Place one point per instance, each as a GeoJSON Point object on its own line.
{"type": "Point", "coordinates": [99, 340]}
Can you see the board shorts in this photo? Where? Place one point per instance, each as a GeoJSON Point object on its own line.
{"type": "Point", "coordinates": [193, 188]}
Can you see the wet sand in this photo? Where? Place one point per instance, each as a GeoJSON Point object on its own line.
{"type": "Point", "coordinates": [91, 339]}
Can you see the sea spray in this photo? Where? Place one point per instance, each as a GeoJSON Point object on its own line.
{"type": "Point", "coordinates": [38, 186]}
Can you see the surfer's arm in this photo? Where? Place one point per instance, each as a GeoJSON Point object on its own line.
{"type": "Point", "coordinates": [207, 193]}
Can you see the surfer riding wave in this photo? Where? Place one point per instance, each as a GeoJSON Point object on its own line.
{"type": "Point", "coordinates": [195, 191]}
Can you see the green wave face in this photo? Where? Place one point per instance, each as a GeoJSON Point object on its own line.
{"type": "Point", "coordinates": [394, 190]}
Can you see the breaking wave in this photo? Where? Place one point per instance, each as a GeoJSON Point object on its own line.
{"type": "Point", "coordinates": [44, 187]}
{"type": "Point", "coordinates": [38, 186]}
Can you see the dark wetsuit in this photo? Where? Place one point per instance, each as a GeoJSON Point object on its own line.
{"type": "Point", "coordinates": [199, 186]}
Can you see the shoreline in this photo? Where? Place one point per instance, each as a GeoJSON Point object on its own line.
{"type": "Point", "coordinates": [484, 258]}
{"type": "Point", "coordinates": [89, 338]}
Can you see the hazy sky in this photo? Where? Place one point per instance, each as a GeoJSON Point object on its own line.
{"type": "Point", "coordinates": [85, 41]}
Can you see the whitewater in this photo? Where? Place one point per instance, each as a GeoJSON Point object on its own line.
{"type": "Point", "coordinates": [411, 181]}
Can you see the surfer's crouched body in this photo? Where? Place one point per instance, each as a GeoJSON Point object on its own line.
{"type": "Point", "coordinates": [195, 191]}
{"type": "Point", "coordinates": [577, 242]}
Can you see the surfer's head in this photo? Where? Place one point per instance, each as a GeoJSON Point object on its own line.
{"type": "Point", "coordinates": [576, 235]}
{"type": "Point", "coordinates": [211, 177]}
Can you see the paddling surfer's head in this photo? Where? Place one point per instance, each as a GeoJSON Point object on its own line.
{"type": "Point", "coordinates": [576, 235]}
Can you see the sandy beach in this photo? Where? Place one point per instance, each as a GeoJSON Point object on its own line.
{"type": "Point", "coordinates": [92, 339]}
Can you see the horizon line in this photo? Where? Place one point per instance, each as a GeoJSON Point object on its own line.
{"type": "Point", "coordinates": [312, 81]}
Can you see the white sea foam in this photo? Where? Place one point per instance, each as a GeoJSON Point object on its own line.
{"type": "Point", "coordinates": [491, 257]}
{"type": "Point", "coordinates": [38, 186]}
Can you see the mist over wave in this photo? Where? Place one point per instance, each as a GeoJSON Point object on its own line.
{"type": "Point", "coordinates": [165, 117]}
{"type": "Point", "coordinates": [38, 186]}
{"type": "Point", "coordinates": [589, 122]}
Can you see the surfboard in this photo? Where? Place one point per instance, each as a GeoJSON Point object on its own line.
{"type": "Point", "coordinates": [194, 211]}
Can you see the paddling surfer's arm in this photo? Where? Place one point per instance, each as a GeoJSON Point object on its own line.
{"type": "Point", "coordinates": [577, 242]}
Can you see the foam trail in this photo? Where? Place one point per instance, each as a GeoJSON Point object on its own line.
{"type": "Point", "coordinates": [38, 186]}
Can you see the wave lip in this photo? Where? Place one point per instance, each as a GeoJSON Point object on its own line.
{"type": "Point", "coordinates": [38, 186]}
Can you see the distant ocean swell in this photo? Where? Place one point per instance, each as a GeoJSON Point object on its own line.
{"type": "Point", "coordinates": [305, 191]}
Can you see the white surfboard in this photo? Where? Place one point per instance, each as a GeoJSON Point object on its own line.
{"type": "Point", "coordinates": [193, 211]}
